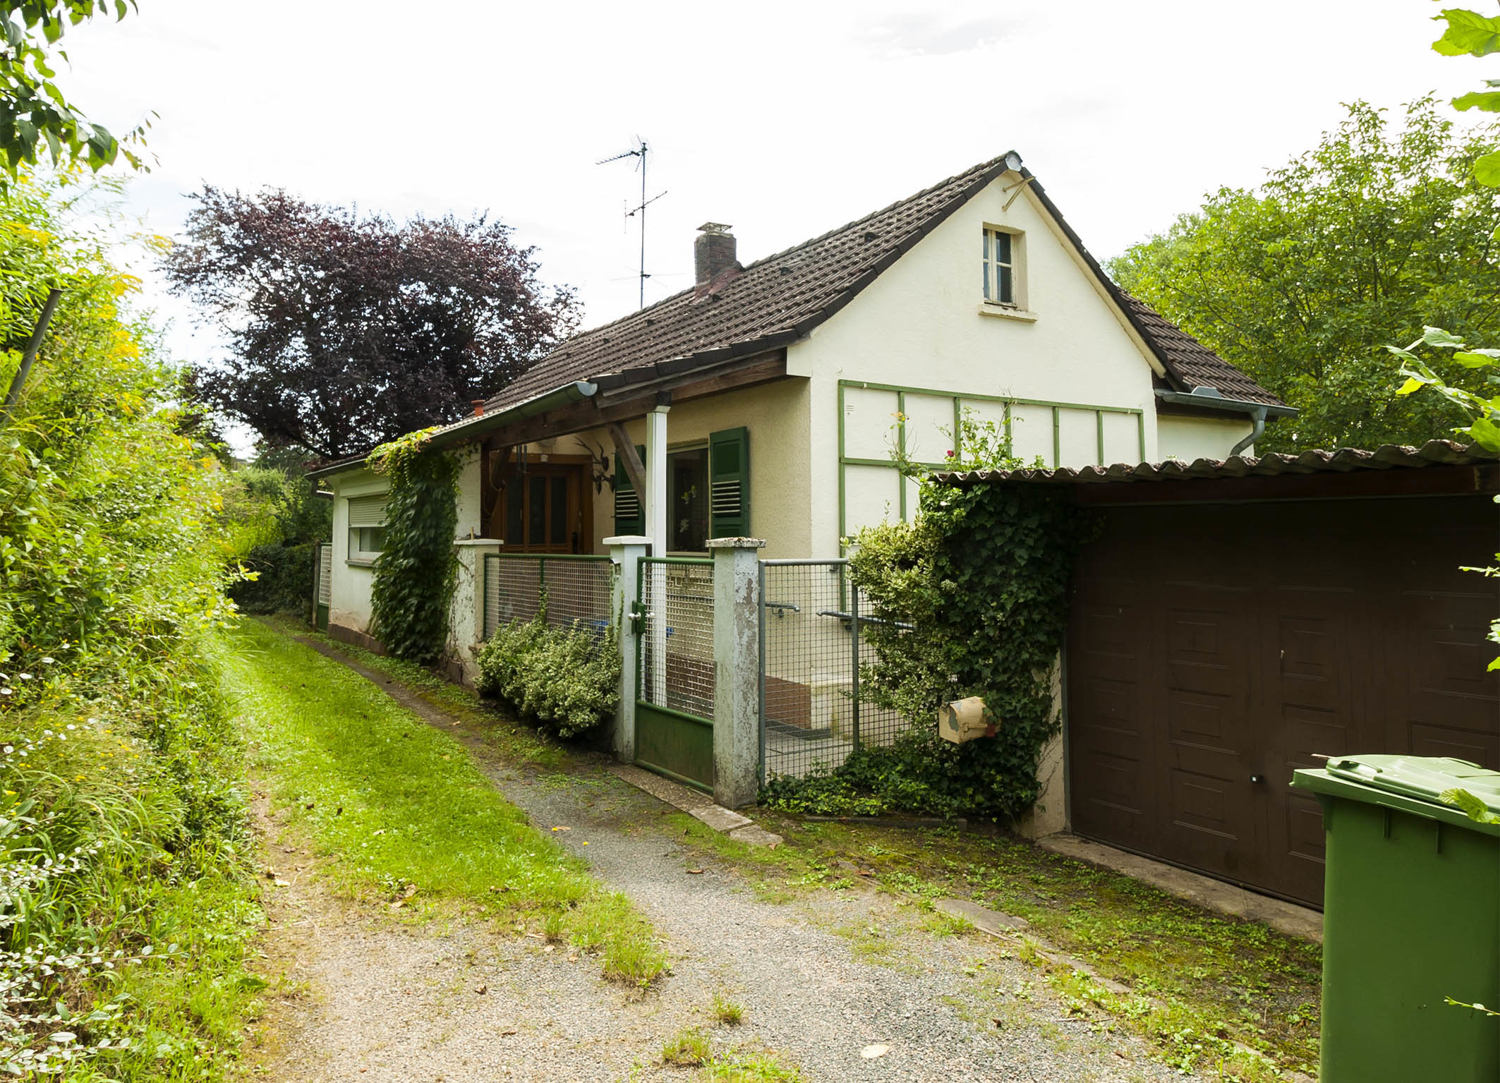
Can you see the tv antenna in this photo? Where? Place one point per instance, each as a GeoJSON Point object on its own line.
{"type": "Point", "coordinates": [639, 153]}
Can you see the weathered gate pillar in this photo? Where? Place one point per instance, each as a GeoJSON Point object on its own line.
{"type": "Point", "coordinates": [625, 552]}
{"type": "Point", "coordinates": [736, 670]}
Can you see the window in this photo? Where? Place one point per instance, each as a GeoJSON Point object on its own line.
{"type": "Point", "coordinates": [366, 527]}
{"type": "Point", "coordinates": [687, 514]}
{"type": "Point", "coordinates": [1000, 267]}
{"type": "Point", "coordinates": [366, 541]}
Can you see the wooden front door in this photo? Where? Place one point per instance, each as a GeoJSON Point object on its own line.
{"type": "Point", "coordinates": [542, 507]}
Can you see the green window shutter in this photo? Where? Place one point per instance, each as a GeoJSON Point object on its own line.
{"type": "Point", "coordinates": [729, 483]}
{"type": "Point", "coordinates": [630, 511]}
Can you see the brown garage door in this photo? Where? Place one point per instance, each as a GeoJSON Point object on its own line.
{"type": "Point", "coordinates": [1215, 648]}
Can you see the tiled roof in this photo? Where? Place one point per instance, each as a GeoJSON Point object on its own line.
{"type": "Point", "coordinates": [1187, 360]}
{"type": "Point", "coordinates": [1343, 461]}
{"type": "Point", "coordinates": [777, 300]}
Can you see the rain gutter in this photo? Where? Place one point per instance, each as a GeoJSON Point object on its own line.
{"type": "Point", "coordinates": [1210, 398]}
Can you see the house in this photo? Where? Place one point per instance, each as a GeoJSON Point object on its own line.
{"type": "Point", "coordinates": [768, 399]}
{"type": "Point", "coordinates": [1235, 620]}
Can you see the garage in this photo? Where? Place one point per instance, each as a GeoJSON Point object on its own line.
{"type": "Point", "coordinates": [1233, 621]}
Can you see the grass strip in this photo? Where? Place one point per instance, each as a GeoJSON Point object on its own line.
{"type": "Point", "coordinates": [400, 811]}
{"type": "Point", "coordinates": [517, 742]}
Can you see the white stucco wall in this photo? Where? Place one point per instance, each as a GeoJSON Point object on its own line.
{"type": "Point", "coordinates": [349, 595]}
{"type": "Point", "coordinates": [351, 583]}
{"type": "Point", "coordinates": [1190, 438]}
{"type": "Point", "coordinates": [923, 324]}
{"type": "Point", "coordinates": [468, 524]}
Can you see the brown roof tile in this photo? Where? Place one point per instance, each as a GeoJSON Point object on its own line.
{"type": "Point", "coordinates": [776, 300]}
{"type": "Point", "coordinates": [1190, 363]}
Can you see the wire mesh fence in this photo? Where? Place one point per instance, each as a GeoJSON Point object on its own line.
{"type": "Point", "coordinates": [577, 589]}
{"type": "Point", "coordinates": [813, 714]}
{"type": "Point", "coordinates": [677, 635]}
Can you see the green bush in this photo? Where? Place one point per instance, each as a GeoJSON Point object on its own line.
{"type": "Point", "coordinates": [124, 904]}
{"type": "Point", "coordinates": [562, 679]}
{"type": "Point", "coordinates": [283, 580]}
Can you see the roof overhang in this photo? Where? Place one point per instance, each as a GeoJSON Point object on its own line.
{"type": "Point", "coordinates": [482, 424]}
{"type": "Point", "coordinates": [1202, 398]}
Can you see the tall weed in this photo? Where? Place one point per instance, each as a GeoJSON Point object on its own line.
{"type": "Point", "coordinates": [122, 838]}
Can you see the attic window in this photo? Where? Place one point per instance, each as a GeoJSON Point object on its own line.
{"type": "Point", "coordinates": [1000, 267]}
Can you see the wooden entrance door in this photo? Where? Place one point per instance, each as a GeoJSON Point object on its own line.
{"type": "Point", "coordinates": [542, 507]}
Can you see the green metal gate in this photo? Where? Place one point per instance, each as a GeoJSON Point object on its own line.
{"type": "Point", "coordinates": [674, 729]}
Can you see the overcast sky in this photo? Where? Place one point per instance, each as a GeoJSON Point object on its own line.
{"type": "Point", "coordinates": [782, 119]}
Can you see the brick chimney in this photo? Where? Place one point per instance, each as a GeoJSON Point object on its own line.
{"type": "Point", "coordinates": [713, 251]}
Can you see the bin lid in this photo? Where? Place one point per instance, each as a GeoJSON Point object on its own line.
{"type": "Point", "coordinates": [1423, 777]}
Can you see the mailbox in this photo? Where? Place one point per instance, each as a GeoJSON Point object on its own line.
{"type": "Point", "coordinates": [965, 719]}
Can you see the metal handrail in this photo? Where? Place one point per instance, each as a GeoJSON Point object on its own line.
{"type": "Point", "coordinates": [865, 620]}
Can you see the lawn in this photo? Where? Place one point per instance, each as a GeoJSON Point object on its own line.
{"type": "Point", "coordinates": [399, 812]}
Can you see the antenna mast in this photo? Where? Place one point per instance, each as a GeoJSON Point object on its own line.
{"type": "Point", "coordinates": [640, 153]}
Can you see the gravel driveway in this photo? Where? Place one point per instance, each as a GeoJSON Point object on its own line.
{"type": "Point", "coordinates": [822, 978]}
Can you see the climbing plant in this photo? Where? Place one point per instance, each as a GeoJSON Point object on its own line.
{"type": "Point", "coordinates": [417, 569]}
{"type": "Point", "coordinates": [970, 599]}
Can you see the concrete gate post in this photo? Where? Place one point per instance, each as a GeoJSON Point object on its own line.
{"type": "Point", "coordinates": [625, 552]}
{"type": "Point", "coordinates": [736, 670]}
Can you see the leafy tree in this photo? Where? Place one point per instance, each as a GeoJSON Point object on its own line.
{"type": "Point", "coordinates": [346, 332]}
{"type": "Point", "coordinates": [33, 111]}
{"type": "Point", "coordinates": [1378, 231]}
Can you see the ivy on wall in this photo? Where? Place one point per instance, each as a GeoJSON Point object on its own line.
{"type": "Point", "coordinates": [417, 569]}
{"type": "Point", "coordinates": [970, 599]}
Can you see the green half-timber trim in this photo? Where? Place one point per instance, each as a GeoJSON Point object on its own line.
{"type": "Point", "coordinates": [959, 398]}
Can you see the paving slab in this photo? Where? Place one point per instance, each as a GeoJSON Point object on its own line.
{"type": "Point", "coordinates": [754, 835]}
{"type": "Point", "coordinates": [675, 794]}
{"type": "Point", "coordinates": [720, 818]}
{"type": "Point", "coordinates": [1230, 899]}
{"type": "Point", "coordinates": [994, 922]}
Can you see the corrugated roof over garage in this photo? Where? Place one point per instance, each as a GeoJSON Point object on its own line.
{"type": "Point", "coordinates": [1341, 461]}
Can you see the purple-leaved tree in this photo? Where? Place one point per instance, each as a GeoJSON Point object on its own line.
{"type": "Point", "coordinates": [347, 331]}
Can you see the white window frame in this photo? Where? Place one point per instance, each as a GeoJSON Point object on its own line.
{"type": "Point", "coordinates": [356, 552]}
{"type": "Point", "coordinates": [1016, 304]}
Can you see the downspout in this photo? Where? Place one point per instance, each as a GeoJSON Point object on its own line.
{"type": "Point", "coordinates": [1255, 433]}
{"type": "Point", "coordinates": [1209, 398]}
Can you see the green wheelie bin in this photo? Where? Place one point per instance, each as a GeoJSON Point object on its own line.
{"type": "Point", "coordinates": [1411, 919]}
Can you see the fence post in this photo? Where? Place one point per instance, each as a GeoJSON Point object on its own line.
{"type": "Point", "coordinates": [736, 669]}
{"type": "Point", "coordinates": [466, 628]}
{"type": "Point", "coordinates": [625, 552]}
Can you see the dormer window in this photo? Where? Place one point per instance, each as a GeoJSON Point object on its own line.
{"type": "Point", "coordinates": [999, 267]}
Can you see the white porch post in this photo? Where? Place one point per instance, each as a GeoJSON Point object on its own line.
{"type": "Point", "coordinates": [736, 670]}
{"type": "Point", "coordinates": [656, 528]}
{"type": "Point", "coordinates": [625, 551]}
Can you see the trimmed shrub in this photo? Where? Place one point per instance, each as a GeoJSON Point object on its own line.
{"type": "Point", "coordinates": [565, 680]}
